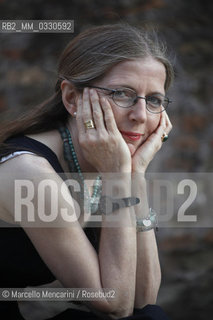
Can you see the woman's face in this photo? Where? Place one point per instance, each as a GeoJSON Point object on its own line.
{"type": "Point", "coordinates": [145, 76]}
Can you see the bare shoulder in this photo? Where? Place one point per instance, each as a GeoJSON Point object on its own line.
{"type": "Point", "coordinates": [23, 167]}
{"type": "Point", "coordinates": [25, 163]}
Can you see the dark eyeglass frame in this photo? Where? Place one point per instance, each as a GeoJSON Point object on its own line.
{"type": "Point", "coordinates": [135, 100]}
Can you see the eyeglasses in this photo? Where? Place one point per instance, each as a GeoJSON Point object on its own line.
{"type": "Point", "coordinates": [126, 97]}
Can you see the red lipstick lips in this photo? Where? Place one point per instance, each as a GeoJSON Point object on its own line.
{"type": "Point", "coordinates": [132, 135]}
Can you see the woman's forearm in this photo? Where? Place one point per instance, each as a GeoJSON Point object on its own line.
{"type": "Point", "coordinates": [148, 273]}
{"type": "Point", "coordinates": [117, 251]}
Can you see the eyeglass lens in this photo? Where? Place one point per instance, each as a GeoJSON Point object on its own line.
{"type": "Point", "coordinates": [127, 98]}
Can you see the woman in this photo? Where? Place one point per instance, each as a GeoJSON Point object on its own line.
{"type": "Point", "coordinates": [107, 117]}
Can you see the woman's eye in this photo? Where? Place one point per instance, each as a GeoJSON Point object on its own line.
{"type": "Point", "coordinates": [122, 94]}
{"type": "Point", "coordinates": [155, 100]}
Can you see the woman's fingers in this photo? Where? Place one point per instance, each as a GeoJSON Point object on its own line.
{"type": "Point", "coordinates": [96, 110]}
{"type": "Point", "coordinates": [85, 105]}
{"type": "Point", "coordinates": [102, 112]}
{"type": "Point", "coordinates": [165, 125]}
{"type": "Point", "coordinates": [79, 120]}
{"type": "Point", "coordinates": [168, 123]}
{"type": "Point", "coordinates": [109, 118]}
{"type": "Point", "coordinates": [86, 108]}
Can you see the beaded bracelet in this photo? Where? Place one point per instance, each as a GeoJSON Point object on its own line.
{"type": "Point", "coordinates": [148, 223]}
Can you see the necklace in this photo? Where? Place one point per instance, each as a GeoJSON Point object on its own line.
{"type": "Point", "coordinates": [73, 164]}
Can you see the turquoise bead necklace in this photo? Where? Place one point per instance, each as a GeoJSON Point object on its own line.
{"type": "Point", "coordinates": [73, 164]}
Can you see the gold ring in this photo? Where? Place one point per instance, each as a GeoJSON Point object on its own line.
{"type": "Point", "coordinates": [164, 137]}
{"type": "Point", "coordinates": [89, 124]}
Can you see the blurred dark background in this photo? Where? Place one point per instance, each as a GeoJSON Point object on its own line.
{"type": "Point", "coordinates": [27, 76]}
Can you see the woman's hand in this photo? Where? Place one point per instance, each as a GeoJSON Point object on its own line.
{"type": "Point", "coordinates": [146, 152]}
{"type": "Point", "coordinates": [103, 146]}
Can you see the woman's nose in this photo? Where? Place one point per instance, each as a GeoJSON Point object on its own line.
{"type": "Point", "coordinates": [139, 111]}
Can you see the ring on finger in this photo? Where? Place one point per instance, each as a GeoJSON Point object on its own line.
{"type": "Point", "coordinates": [89, 124]}
{"type": "Point", "coordinates": [164, 137]}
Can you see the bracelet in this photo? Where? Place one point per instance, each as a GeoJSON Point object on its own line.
{"type": "Point", "coordinates": [108, 204]}
{"type": "Point", "coordinates": [148, 223]}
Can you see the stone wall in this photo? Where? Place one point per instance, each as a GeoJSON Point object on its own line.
{"type": "Point", "coordinates": [28, 73]}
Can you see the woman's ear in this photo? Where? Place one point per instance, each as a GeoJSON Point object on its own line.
{"type": "Point", "coordinates": [69, 95]}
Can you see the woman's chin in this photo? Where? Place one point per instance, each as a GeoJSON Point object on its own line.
{"type": "Point", "coordinates": [132, 148]}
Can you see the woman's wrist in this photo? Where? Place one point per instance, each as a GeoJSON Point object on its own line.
{"type": "Point", "coordinates": [140, 171]}
{"type": "Point", "coordinates": [139, 184]}
{"type": "Point", "coordinates": [139, 190]}
{"type": "Point", "coordinates": [116, 184]}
